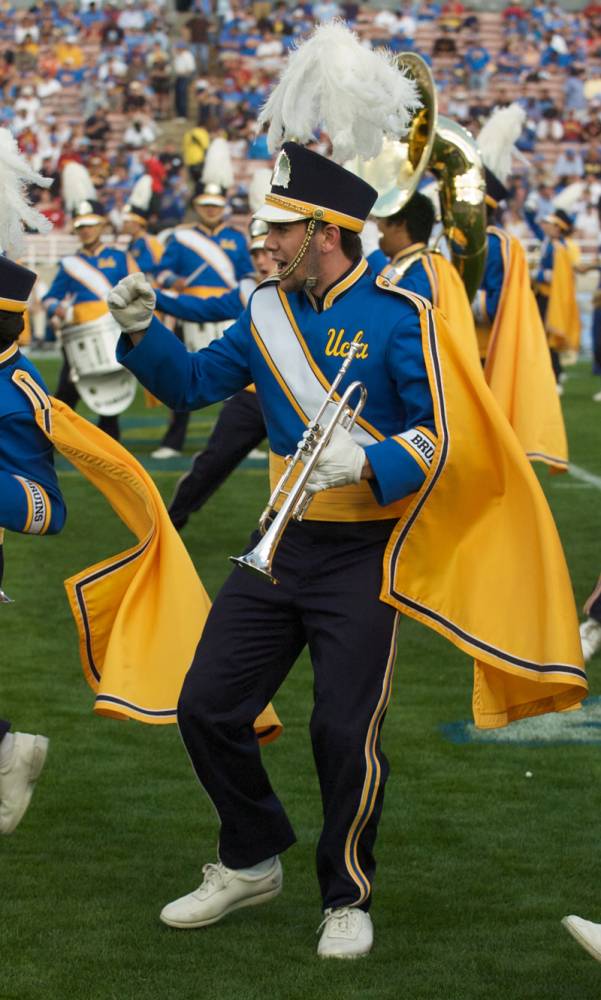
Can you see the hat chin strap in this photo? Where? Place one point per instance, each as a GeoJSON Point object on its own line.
{"type": "Point", "coordinates": [302, 250]}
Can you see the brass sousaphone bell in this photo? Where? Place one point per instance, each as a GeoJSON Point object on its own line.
{"type": "Point", "coordinates": [442, 147]}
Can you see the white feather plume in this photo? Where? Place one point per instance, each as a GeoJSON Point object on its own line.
{"type": "Point", "coordinates": [497, 138]}
{"type": "Point", "coordinates": [218, 167]}
{"type": "Point", "coordinates": [141, 193]}
{"type": "Point", "coordinates": [258, 188]}
{"type": "Point", "coordinates": [332, 82]}
{"type": "Point", "coordinates": [76, 185]}
{"type": "Point", "coordinates": [15, 210]}
{"type": "Point", "coordinates": [570, 197]}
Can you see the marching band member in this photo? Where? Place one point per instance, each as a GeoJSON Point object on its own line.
{"type": "Point", "coordinates": [204, 260]}
{"type": "Point", "coordinates": [511, 337]}
{"type": "Point", "coordinates": [144, 249]}
{"type": "Point", "coordinates": [240, 426]}
{"type": "Point", "coordinates": [554, 285]}
{"type": "Point", "coordinates": [30, 502]}
{"type": "Point", "coordinates": [80, 288]}
{"type": "Point", "coordinates": [409, 513]}
{"type": "Point", "coordinates": [404, 238]}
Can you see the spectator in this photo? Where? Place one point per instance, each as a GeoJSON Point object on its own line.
{"type": "Point", "coordinates": [28, 101]}
{"type": "Point", "coordinates": [477, 60]}
{"type": "Point", "coordinates": [160, 82]}
{"type": "Point", "coordinates": [98, 128]}
{"type": "Point", "coordinates": [69, 54]}
{"type": "Point", "coordinates": [140, 133]}
{"type": "Point", "coordinates": [444, 44]}
{"type": "Point", "coordinates": [184, 68]}
{"type": "Point", "coordinates": [198, 28]}
{"type": "Point", "coordinates": [586, 223]}
{"type": "Point", "coordinates": [195, 144]}
{"type": "Point", "coordinates": [568, 167]}
{"type": "Point", "coordinates": [592, 162]}
{"type": "Point", "coordinates": [112, 34]}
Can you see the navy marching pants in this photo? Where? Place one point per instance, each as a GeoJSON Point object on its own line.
{"type": "Point", "coordinates": [240, 427]}
{"type": "Point", "coordinates": [4, 728]}
{"type": "Point", "coordinates": [327, 598]}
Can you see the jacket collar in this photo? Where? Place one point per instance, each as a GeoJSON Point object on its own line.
{"type": "Point", "coordinates": [414, 248]}
{"type": "Point", "coordinates": [9, 355]}
{"type": "Point", "coordinates": [339, 287]}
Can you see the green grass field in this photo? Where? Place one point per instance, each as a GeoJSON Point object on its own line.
{"type": "Point", "coordinates": [477, 861]}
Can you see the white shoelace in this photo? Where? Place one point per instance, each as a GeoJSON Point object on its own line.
{"type": "Point", "coordinates": [343, 920]}
{"type": "Point", "coordinates": [214, 878]}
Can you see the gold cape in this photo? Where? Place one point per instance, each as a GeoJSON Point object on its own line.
{"type": "Point", "coordinates": [139, 614]}
{"type": "Point", "coordinates": [476, 555]}
{"type": "Point", "coordinates": [518, 365]}
{"type": "Point", "coordinates": [450, 297]}
{"type": "Point", "coordinates": [562, 321]}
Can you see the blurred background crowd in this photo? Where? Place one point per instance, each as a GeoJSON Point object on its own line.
{"type": "Point", "coordinates": [143, 86]}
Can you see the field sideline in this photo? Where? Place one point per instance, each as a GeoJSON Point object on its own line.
{"type": "Point", "coordinates": [477, 861]}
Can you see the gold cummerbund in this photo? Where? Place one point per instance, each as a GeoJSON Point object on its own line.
{"type": "Point", "coordinates": [345, 503]}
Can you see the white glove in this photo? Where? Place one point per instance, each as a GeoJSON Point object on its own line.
{"type": "Point", "coordinates": [132, 302]}
{"type": "Point", "coordinates": [340, 463]}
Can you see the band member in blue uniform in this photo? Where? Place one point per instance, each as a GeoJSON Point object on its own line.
{"type": "Point", "coordinates": [256, 631]}
{"type": "Point", "coordinates": [147, 251]}
{"type": "Point", "coordinates": [30, 502]}
{"type": "Point", "coordinates": [404, 238]}
{"type": "Point", "coordinates": [554, 284]}
{"type": "Point", "coordinates": [205, 260]}
{"type": "Point", "coordinates": [80, 287]}
{"type": "Point", "coordinates": [240, 426]}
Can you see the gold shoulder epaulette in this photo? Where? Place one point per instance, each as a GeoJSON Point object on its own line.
{"type": "Point", "coordinates": [418, 301]}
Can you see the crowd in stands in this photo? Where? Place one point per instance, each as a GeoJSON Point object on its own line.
{"type": "Point", "coordinates": [97, 82]}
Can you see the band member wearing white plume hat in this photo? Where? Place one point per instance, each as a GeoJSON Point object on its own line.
{"type": "Point", "coordinates": [389, 496]}
{"type": "Point", "coordinates": [205, 260]}
{"type": "Point", "coordinates": [30, 498]}
{"type": "Point", "coordinates": [240, 426]}
{"type": "Point", "coordinates": [80, 287]}
{"type": "Point", "coordinates": [511, 336]}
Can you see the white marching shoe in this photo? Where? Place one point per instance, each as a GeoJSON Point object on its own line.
{"type": "Point", "coordinates": [590, 637]}
{"type": "Point", "coordinates": [585, 933]}
{"type": "Point", "coordinates": [223, 890]}
{"type": "Point", "coordinates": [347, 933]}
{"type": "Point", "coordinates": [164, 452]}
{"type": "Point", "coordinates": [18, 776]}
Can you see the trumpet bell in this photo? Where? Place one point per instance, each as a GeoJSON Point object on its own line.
{"type": "Point", "coordinates": [256, 561]}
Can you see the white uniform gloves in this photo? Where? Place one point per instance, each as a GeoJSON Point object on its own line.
{"type": "Point", "coordinates": [340, 463]}
{"type": "Point", "coordinates": [132, 302]}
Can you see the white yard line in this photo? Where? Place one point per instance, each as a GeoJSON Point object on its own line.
{"type": "Point", "coordinates": [585, 476]}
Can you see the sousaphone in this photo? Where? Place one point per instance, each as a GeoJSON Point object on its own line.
{"type": "Point", "coordinates": [442, 147]}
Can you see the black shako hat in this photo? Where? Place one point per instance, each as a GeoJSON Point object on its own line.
{"type": "Point", "coordinates": [135, 212]}
{"type": "Point", "coordinates": [495, 191]}
{"type": "Point", "coordinates": [306, 185]}
{"type": "Point", "coordinates": [561, 219]}
{"type": "Point", "coordinates": [88, 213]}
{"type": "Point", "coordinates": [16, 283]}
{"type": "Point", "coordinates": [209, 193]}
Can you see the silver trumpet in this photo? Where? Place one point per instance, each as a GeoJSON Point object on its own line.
{"type": "Point", "coordinates": [272, 523]}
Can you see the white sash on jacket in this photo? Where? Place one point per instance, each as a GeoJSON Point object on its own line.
{"type": "Point", "coordinates": [209, 252]}
{"type": "Point", "coordinates": [291, 361]}
{"type": "Point", "coordinates": [87, 275]}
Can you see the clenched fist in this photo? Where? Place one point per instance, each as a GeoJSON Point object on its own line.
{"type": "Point", "coordinates": [132, 303]}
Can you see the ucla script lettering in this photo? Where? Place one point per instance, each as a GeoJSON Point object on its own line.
{"type": "Point", "coordinates": [336, 347]}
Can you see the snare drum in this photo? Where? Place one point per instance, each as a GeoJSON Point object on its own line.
{"type": "Point", "coordinates": [103, 384]}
